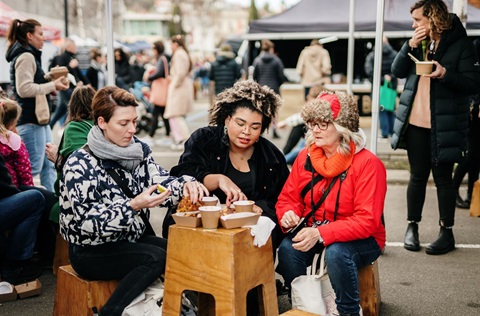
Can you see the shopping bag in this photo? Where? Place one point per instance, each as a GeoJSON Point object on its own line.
{"type": "Point", "coordinates": [388, 97]}
{"type": "Point", "coordinates": [313, 292]}
{"type": "Point", "coordinates": [42, 109]}
{"type": "Point", "coordinates": [159, 87]}
{"type": "Point", "coordinates": [146, 304]}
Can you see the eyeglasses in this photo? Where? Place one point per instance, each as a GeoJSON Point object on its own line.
{"type": "Point", "coordinates": [321, 125]}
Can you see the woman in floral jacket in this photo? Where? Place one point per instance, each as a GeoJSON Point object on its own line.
{"type": "Point", "coordinates": [105, 192]}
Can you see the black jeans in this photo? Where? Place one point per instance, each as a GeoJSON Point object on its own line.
{"type": "Point", "coordinates": [158, 111]}
{"type": "Point", "coordinates": [419, 156]}
{"type": "Point", "coordinates": [136, 265]}
{"type": "Point", "coordinates": [297, 133]}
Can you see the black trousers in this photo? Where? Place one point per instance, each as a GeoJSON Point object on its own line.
{"type": "Point", "coordinates": [420, 158]}
{"type": "Point", "coordinates": [297, 133]}
{"type": "Point", "coordinates": [158, 111]}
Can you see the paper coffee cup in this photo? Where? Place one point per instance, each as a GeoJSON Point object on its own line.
{"type": "Point", "coordinates": [424, 67]}
{"type": "Point", "coordinates": [210, 216]}
{"type": "Point", "coordinates": [209, 201]}
{"type": "Point", "coordinates": [243, 206]}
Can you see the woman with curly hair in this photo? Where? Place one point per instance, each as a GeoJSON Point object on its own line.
{"type": "Point", "coordinates": [432, 117]}
{"type": "Point", "coordinates": [338, 187]}
{"type": "Point", "coordinates": [231, 158]}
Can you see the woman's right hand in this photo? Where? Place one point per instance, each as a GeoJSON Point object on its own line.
{"type": "Point", "coordinates": [59, 85]}
{"type": "Point", "coordinates": [51, 150]}
{"type": "Point", "coordinates": [231, 190]}
{"type": "Point", "coordinates": [289, 219]}
{"type": "Point", "coordinates": [147, 199]}
{"type": "Point", "coordinates": [419, 35]}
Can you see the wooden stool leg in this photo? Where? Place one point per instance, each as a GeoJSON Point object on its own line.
{"type": "Point", "coordinates": [61, 253]}
{"type": "Point", "coordinates": [172, 302]}
{"type": "Point", "coordinates": [369, 288]}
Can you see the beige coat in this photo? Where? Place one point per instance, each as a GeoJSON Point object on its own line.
{"type": "Point", "coordinates": [180, 90]}
{"type": "Point", "coordinates": [314, 65]}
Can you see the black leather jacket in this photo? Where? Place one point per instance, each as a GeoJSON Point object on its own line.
{"type": "Point", "coordinates": [206, 152]}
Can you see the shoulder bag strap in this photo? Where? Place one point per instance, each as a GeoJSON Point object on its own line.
{"type": "Point", "coordinates": [165, 65]}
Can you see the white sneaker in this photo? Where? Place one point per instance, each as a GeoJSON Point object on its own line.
{"type": "Point", "coordinates": [164, 142]}
{"type": "Point", "coordinates": [178, 146]}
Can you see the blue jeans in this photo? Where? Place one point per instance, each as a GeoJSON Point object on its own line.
{"type": "Point", "coordinates": [21, 214]}
{"type": "Point", "coordinates": [292, 155]}
{"type": "Point", "coordinates": [61, 112]}
{"type": "Point", "coordinates": [36, 138]}
{"type": "Point", "coordinates": [387, 118]}
{"type": "Point", "coordinates": [137, 265]}
{"type": "Point", "coordinates": [343, 261]}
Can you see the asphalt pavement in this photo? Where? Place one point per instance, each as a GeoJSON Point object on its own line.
{"type": "Point", "coordinates": [411, 283]}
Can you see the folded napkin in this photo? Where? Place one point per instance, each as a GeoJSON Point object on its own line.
{"type": "Point", "coordinates": [261, 231]}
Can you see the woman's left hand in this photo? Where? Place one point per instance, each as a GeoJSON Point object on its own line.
{"type": "Point", "coordinates": [439, 72]}
{"type": "Point", "coordinates": [51, 150]}
{"type": "Point", "coordinates": [306, 239]}
{"type": "Point", "coordinates": [257, 209]}
{"type": "Point", "coordinates": [195, 190]}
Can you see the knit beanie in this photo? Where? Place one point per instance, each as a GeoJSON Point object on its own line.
{"type": "Point", "coordinates": [339, 107]}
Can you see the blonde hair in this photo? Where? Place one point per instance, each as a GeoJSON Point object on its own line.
{"type": "Point", "coordinates": [346, 136]}
{"type": "Point", "coordinates": [9, 113]}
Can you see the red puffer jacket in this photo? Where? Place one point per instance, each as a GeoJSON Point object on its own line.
{"type": "Point", "coordinates": [361, 201]}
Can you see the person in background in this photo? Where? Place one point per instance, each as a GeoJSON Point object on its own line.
{"type": "Point", "coordinates": [268, 70]}
{"type": "Point", "coordinates": [161, 71]}
{"type": "Point", "coordinates": [387, 118]}
{"type": "Point", "coordinates": [180, 92]}
{"type": "Point", "coordinates": [105, 191]}
{"type": "Point", "coordinates": [69, 60]}
{"type": "Point", "coordinates": [20, 213]}
{"type": "Point", "coordinates": [224, 71]}
{"type": "Point", "coordinates": [314, 66]}
{"type": "Point", "coordinates": [97, 73]}
{"type": "Point", "coordinates": [472, 164]}
{"type": "Point", "coordinates": [123, 69]}
{"type": "Point", "coordinates": [28, 81]}
{"type": "Point", "coordinates": [343, 209]}
{"type": "Point", "coordinates": [79, 124]}
{"type": "Point", "coordinates": [432, 117]}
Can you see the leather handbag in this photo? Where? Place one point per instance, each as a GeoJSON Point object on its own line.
{"type": "Point", "coordinates": [42, 109]}
{"type": "Point", "coordinates": [313, 292]}
{"type": "Point", "coordinates": [159, 87]}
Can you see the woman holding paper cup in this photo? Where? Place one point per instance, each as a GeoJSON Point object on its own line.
{"type": "Point", "coordinates": [105, 192]}
{"type": "Point", "coordinates": [231, 158]}
{"type": "Point", "coordinates": [432, 117]}
{"type": "Point", "coordinates": [31, 91]}
{"type": "Point", "coordinates": [337, 189]}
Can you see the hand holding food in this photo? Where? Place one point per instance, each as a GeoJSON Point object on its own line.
{"type": "Point", "coordinates": [147, 199]}
{"type": "Point", "coordinates": [195, 190]}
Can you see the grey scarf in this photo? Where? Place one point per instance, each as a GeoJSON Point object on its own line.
{"type": "Point", "coordinates": [128, 157]}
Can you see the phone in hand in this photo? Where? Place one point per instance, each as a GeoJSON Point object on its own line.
{"type": "Point", "coordinates": [301, 224]}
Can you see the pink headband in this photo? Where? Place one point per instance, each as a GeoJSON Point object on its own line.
{"type": "Point", "coordinates": [334, 103]}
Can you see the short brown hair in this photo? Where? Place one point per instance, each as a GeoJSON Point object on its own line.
{"type": "Point", "coordinates": [267, 44]}
{"type": "Point", "coordinates": [107, 98]}
{"type": "Point", "coordinates": [80, 105]}
{"type": "Point", "coordinates": [159, 47]}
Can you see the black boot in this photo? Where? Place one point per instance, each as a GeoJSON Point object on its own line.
{"type": "Point", "coordinates": [17, 272]}
{"type": "Point", "coordinates": [444, 243]}
{"type": "Point", "coordinates": [461, 203]}
{"type": "Point", "coordinates": [411, 237]}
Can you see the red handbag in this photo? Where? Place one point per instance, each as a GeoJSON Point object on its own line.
{"type": "Point", "coordinates": [159, 87]}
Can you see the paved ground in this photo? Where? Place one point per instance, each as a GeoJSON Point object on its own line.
{"type": "Point", "coordinates": [412, 283]}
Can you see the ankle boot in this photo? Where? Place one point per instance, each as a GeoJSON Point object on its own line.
{"type": "Point", "coordinates": [460, 203]}
{"type": "Point", "coordinates": [411, 237]}
{"type": "Point", "coordinates": [444, 243]}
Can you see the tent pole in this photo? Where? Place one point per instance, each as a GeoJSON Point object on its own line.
{"type": "Point", "coordinates": [377, 69]}
{"type": "Point", "coordinates": [110, 55]}
{"type": "Point", "coordinates": [351, 46]}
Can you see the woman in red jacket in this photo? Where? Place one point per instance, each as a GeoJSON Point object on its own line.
{"type": "Point", "coordinates": [343, 211]}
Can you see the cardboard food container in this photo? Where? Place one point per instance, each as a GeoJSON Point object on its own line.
{"type": "Point", "coordinates": [7, 292]}
{"type": "Point", "coordinates": [239, 219]}
{"type": "Point", "coordinates": [188, 221]}
{"type": "Point", "coordinates": [29, 289]}
{"type": "Point", "coordinates": [424, 67]}
{"type": "Point", "coordinates": [57, 72]}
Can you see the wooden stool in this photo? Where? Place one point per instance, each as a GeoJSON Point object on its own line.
{"type": "Point", "coordinates": [475, 203]}
{"type": "Point", "coordinates": [369, 288]}
{"type": "Point", "coordinates": [221, 264]}
{"type": "Point", "coordinates": [77, 296]}
{"type": "Point", "coordinates": [61, 253]}
{"type": "Point", "coordinates": [297, 312]}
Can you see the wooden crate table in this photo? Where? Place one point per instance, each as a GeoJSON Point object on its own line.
{"type": "Point", "coordinates": [223, 265]}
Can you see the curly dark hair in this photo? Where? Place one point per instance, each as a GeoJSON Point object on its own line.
{"type": "Point", "coordinates": [246, 94]}
{"type": "Point", "coordinates": [437, 13]}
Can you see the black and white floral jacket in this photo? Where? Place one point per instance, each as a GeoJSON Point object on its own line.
{"type": "Point", "coordinates": [95, 210]}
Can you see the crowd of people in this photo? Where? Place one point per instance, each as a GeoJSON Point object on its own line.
{"type": "Point", "coordinates": [98, 183]}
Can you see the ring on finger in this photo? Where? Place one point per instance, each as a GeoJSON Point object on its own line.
{"type": "Point", "coordinates": [287, 222]}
